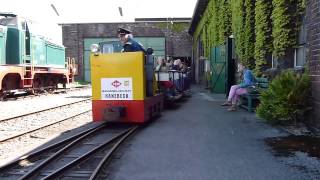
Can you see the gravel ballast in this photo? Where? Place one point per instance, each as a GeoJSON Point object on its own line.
{"type": "Point", "coordinates": [12, 149]}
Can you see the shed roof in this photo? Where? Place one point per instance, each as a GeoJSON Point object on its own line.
{"type": "Point", "coordinates": [197, 15]}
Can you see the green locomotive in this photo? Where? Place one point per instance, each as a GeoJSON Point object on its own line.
{"type": "Point", "coordinates": [29, 62]}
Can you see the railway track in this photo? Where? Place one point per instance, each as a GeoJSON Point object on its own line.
{"type": "Point", "coordinates": [19, 134]}
{"type": "Point", "coordinates": [81, 156]}
{"type": "Point", "coordinates": [19, 126]}
{"type": "Point", "coordinates": [42, 110]}
{"type": "Point", "coordinates": [21, 95]}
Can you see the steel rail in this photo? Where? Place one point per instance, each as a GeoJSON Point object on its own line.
{"type": "Point", "coordinates": [48, 148]}
{"type": "Point", "coordinates": [122, 137]}
{"type": "Point", "coordinates": [54, 174]}
{"type": "Point", "coordinates": [42, 127]}
{"type": "Point", "coordinates": [49, 159]}
{"type": "Point", "coordinates": [107, 157]}
{"type": "Point", "coordinates": [42, 110]}
{"type": "Point", "coordinates": [29, 96]}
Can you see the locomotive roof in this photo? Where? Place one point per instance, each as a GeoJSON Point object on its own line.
{"type": "Point", "coordinates": [7, 14]}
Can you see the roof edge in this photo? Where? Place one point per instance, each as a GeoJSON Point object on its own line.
{"type": "Point", "coordinates": [198, 11]}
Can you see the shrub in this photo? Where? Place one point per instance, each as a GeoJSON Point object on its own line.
{"type": "Point", "coordinates": [285, 98]}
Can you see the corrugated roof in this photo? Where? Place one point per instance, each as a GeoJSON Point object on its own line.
{"type": "Point", "coordinates": [197, 15]}
{"type": "Point", "coordinates": [162, 19]}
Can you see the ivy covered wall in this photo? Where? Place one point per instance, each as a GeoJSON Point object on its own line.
{"type": "Point", "coordinates": [214, 25]}
{"type": "Point", "coordinates": [263, 31]}
{"type": "Point", "coordinates": [261, 28]}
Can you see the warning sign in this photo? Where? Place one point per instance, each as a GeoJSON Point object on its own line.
{"type": "Point", "coordinates": [116, 89]}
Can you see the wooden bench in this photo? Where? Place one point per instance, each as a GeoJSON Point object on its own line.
{"type": "Point", "coordinates": [251, 100]}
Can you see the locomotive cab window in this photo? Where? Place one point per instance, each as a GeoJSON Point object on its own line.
{"type": "Point", "coordinates": [11, 21]}
{"type": "Point", "coordinates": [110, 47]}
{"type": "Point", "coordinates": [107, 48]}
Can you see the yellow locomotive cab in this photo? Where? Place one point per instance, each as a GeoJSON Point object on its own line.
{"type": "Point", "coordinates": [120, 86]}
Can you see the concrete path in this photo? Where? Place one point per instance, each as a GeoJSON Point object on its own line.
{"type": "Point", "coordinates": [200, 140]}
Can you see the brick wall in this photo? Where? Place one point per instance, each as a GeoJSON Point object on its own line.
{"type": "Point", "coordinates": [313, 31]}
{"type": "Point", "coordinates": [177, 44]}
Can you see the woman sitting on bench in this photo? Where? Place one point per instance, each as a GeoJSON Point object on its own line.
{"type": "Point", "coordinates": [239, 89]}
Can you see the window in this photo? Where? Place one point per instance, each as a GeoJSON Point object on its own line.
{"type": "Point", "coordinates": [12, 21]}
{"type": "Point", "coordinates": [300, 52]}
{"type": "Point", "coordinates": [274, 62]}
{"type": "Point", "coordinates": [107, 48]}
{"type": "Point", "coordinates": [300, 56]}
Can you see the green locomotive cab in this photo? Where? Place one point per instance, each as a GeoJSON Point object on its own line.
{"type": "Point", "coordinates": [23, 46]}
{"type": "Point", "coordinates": [29, 61]}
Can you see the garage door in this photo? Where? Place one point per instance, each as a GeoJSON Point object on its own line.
{"type": "Point", "coordinates": [157, 43]}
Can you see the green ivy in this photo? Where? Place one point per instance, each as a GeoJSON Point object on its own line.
{"type": "Point", "coordinates": [214, 26]}
{"type": "Point", "coordinates": [162, 25]}
{"type": "Point", "coordinates": [249, 35]}
{"type": "Point", "coordinates": [214, 14]}
{"type": "Point", "coordinates": [260, 28]}
{"type": "Point", "coordinates": [238, 26]}
{"type": "Point", "coordinates": [224, 21]}
{"type": "Point", "coordinates": [286, 20]}
{"type": "Point", "coordinates": [263, 31]}
{"type": "Point", "coordinates": [176, 27]}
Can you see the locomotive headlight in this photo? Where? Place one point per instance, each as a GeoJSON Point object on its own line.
{"type": "Point", "coordinates": [94, 48]}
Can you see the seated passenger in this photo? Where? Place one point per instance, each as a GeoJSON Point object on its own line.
{"type": "Point", "coordinates": [167, 86]}
{"type": "Point", "coordinates": [176, 64]}
{"type": "Point", "coordinates": [169, 64]}
{"type": "Point", "coordinates": [239, 89]}
{"type": "Point", "coordinates": [179, 83]}
{"type": "Point", "coordinates": [161, 65]}
{"type": "Point", "coordinates": [129, 44]}
{"type": "Point", "coordinates": [186, 78]}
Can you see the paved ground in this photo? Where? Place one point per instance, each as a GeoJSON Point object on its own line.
{"type": "Point", "coordinates": [200, 140]}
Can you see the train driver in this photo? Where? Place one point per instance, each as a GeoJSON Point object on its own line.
{"type": "Point", "coordinates": [129, 44]}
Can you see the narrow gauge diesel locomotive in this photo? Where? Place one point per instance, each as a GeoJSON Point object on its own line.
{"type": "Point", "coordinates": [124, 85]}
{"type": "Point", "coordinates": [29, 62]}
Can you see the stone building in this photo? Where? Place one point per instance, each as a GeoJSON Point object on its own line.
{"type": "Point", "coordinates": [313, 57]}
{"type": "Point", "coordinates": [167, 36]}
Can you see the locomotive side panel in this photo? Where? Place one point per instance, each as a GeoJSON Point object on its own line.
{"type": "Point", "coordinates": [55, 55]}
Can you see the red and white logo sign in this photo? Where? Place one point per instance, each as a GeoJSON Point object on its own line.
{"type": "Point", "coordinates": [116, 83]}
{"type": "Point", "coordinates": [116, 88]}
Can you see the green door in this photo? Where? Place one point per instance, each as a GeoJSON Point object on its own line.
{"type": "Point", "coordinates": [218, 68]}
{"type": "Point", "coordinates": [157, 43]}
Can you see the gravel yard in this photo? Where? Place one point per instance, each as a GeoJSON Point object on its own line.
{"type": "Point", "coordinates": [14, 108]}
{"type": "Point", "coordinates": [16, 147]}
{"type": "Point", "coordinates": [27, 123]}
